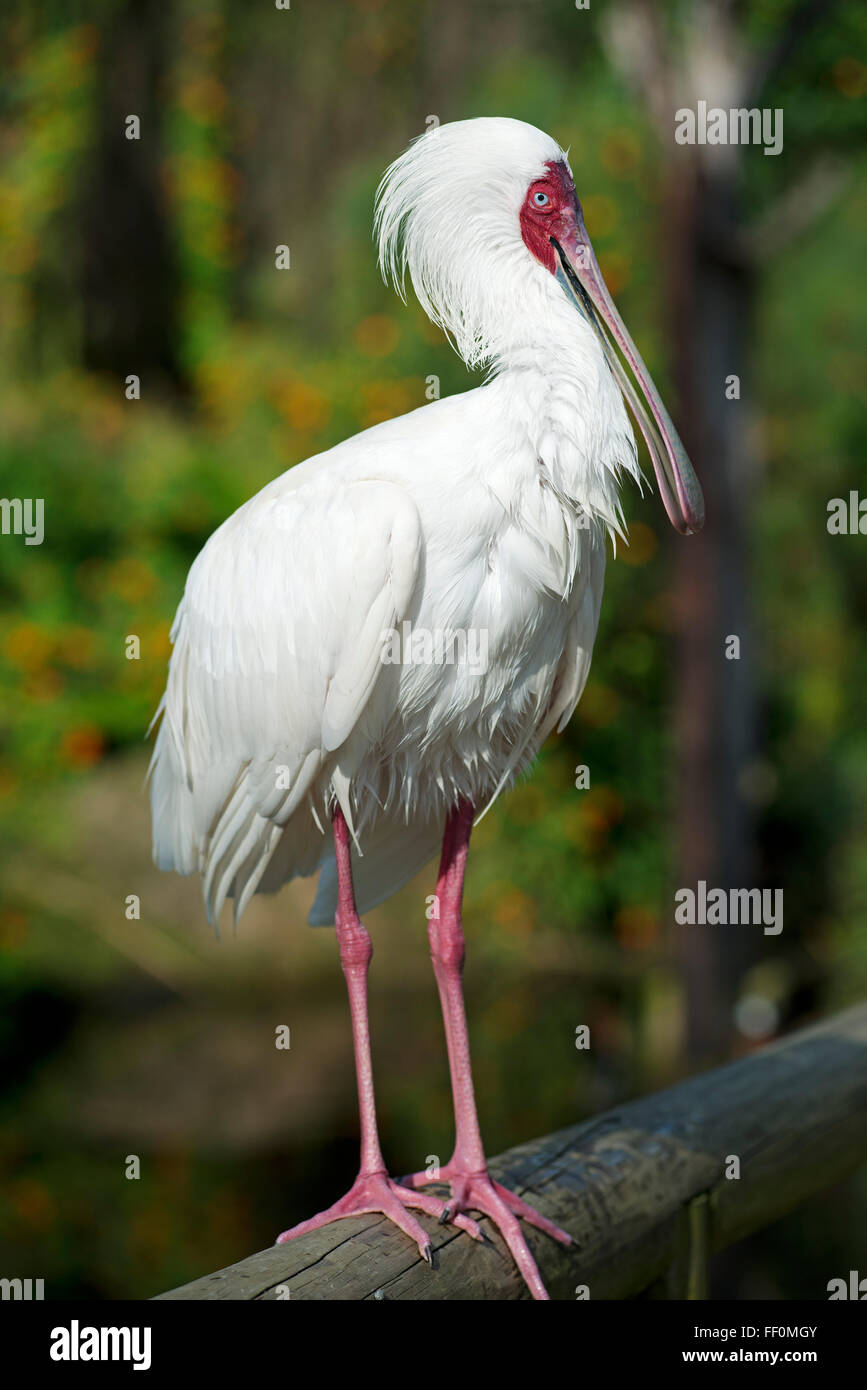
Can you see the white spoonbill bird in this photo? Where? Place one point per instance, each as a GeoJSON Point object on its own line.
{"type": "Point", "coordinates": [322, 712]}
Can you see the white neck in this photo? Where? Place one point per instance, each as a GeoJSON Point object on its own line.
{"type": "Point", "coordinates": [552, 387]}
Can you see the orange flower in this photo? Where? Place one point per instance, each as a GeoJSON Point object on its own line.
{"type": "Point", "coordinates": [27, 647]}
{"type": "Point", "coordinates": [82, 747]}
{"type": "Point", "coordinates": [302, 405]}
{"type": "Point", "coordinates": [131, 579]}
{"type": "Point", "coordinates": [384, 399]}
{"type": "Point", "coordinates": [602, 808]}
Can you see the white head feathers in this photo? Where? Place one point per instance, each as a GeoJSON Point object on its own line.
{"type": "Point", "coordinates": [448, 211]}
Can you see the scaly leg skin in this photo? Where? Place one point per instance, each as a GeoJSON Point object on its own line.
{"type": "Point", "coordinates": [467, 1170]}
{"type": "Point", "coordinates": [373, 1190]}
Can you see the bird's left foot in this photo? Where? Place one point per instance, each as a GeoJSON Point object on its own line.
{"type": "Point", "coordinates": [479, 1192]}
{"type": "Point", "coordinates": [376, 1192]}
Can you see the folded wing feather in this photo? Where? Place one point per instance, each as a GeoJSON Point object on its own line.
{"type": "Point", "coordinates": [277, 655]}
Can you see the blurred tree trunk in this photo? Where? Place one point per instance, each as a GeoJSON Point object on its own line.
{"type": "Point", "coordinates": [709, 295]}
{"type": "Point", "coordinates": [130, 280]}
{"type": "Point", "coordinates": [710, 308]}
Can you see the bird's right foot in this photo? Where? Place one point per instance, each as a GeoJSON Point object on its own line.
{"type": "Point", "coordinates": [504, 1208]}
{"type": "Point", "coordinates": [377, 1192]}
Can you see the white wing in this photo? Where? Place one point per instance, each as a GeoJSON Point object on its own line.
{"type": "Point", "coordinates": [277, 652]}
{"type": "Point", "coordinates": [574, 666]}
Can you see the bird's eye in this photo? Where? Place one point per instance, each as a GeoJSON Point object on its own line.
{"type": "Point", "coordinates": [541, 199]}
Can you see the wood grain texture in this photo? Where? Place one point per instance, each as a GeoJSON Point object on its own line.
{"type": "Point", "coordinates": [642, 1189]}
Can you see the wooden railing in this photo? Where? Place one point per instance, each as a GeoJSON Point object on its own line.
{"type": "Point", "coordinates": [648, 1190]}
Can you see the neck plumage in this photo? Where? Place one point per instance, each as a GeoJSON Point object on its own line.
{"type": "Point", "coordinates": [555, 391]}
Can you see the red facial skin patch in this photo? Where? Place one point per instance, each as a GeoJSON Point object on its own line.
{"type": "Point", "coordinates": [560, 217]}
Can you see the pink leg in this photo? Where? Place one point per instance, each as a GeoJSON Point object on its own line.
{"type": "Point", "coordinates": [467, 1169]}
{"type": "Point", "coordinates": [373, 1190]}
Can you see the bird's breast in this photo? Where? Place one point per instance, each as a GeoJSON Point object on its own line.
{"type": "Point", "coordinates": [472, 670]}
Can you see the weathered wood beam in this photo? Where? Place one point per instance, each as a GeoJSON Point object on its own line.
{"type": "Point", "coordinates": [643, 1189]}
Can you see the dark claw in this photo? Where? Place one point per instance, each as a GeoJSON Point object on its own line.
{"type": "Point", "coordinates": [445, 1215]}
{"type": "Point", "coordinates": [426, 1254]}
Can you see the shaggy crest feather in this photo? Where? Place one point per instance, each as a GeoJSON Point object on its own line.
{"type": "Point", "coordinates": [447, 213]}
